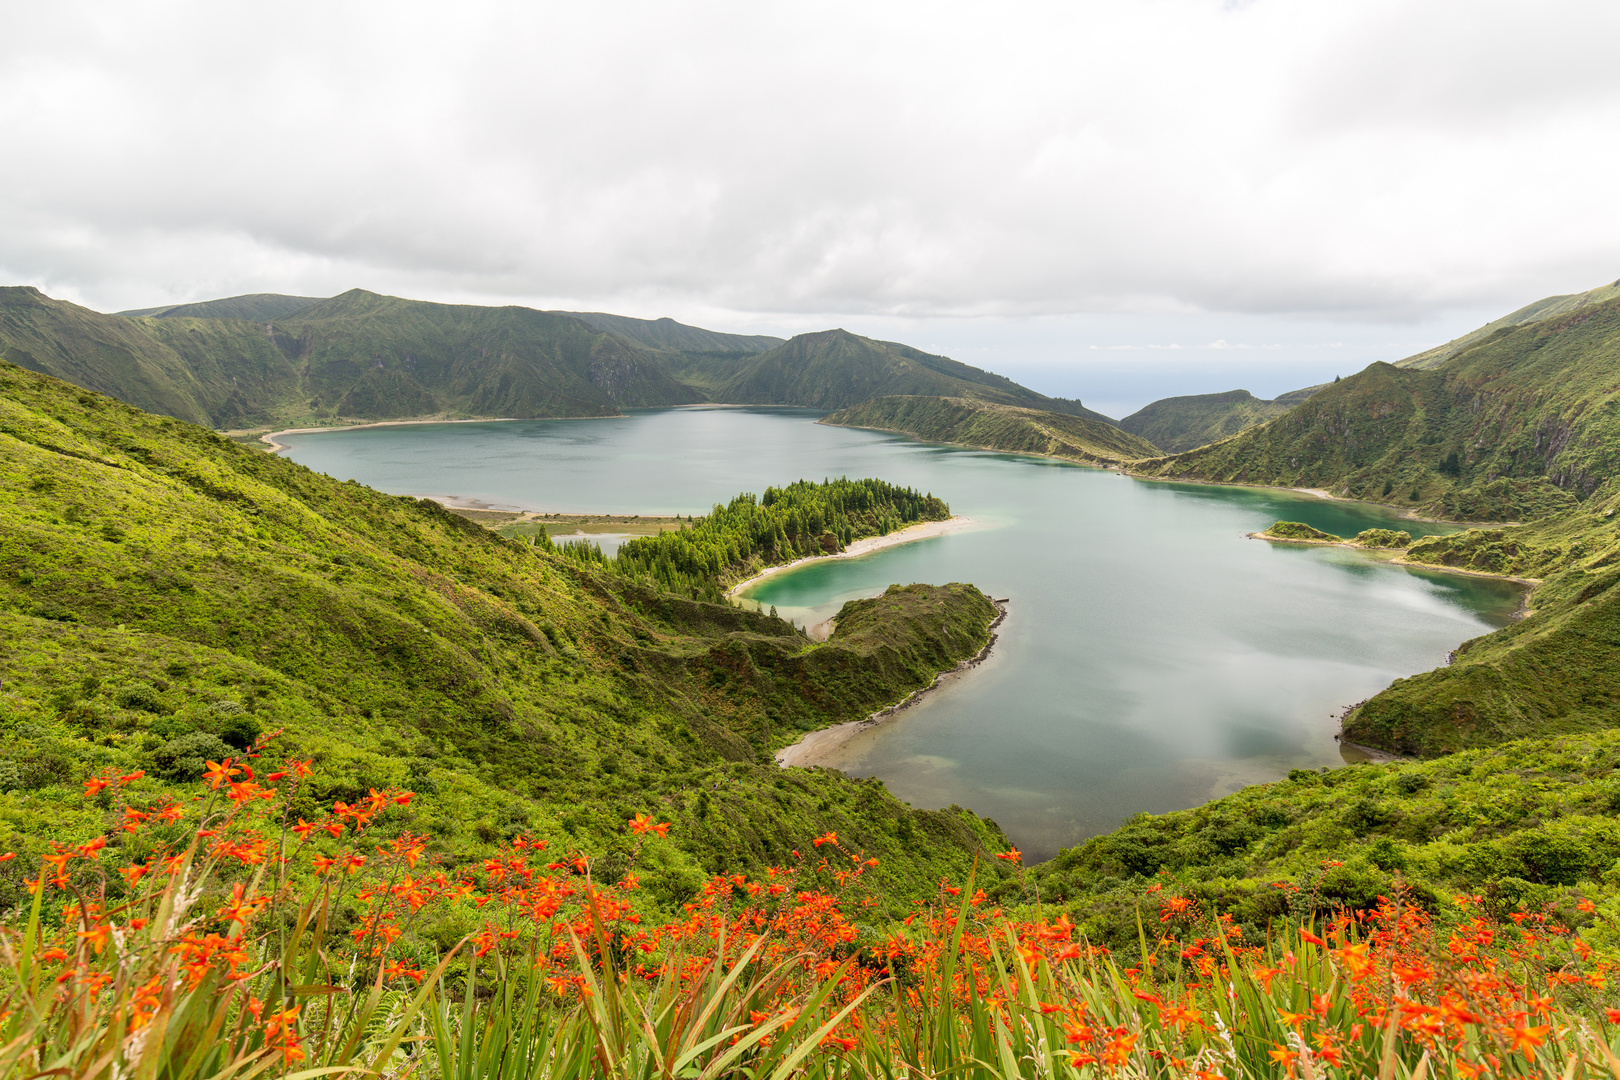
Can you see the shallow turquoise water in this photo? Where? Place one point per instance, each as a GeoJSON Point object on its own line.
{"type": "Point", "coordinates": [1154, 657]}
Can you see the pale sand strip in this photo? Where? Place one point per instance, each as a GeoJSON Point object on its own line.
{"type": "Point", "coordinates": [277, 447]}
{"type": "Point", "coordinates": [819, 746]}
{"type": "Point", "coordinates": [924, 530]}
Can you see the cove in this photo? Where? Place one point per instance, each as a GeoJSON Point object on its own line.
{"type": "Point", "coordinates": [1154, 657]}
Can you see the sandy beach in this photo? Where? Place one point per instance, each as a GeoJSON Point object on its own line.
{"type": "Point", "coordinates": [923, 530]}
{"type": "Point", "coordinates": [277, 446]}
{"type": "Point", "coordinates": [818, 747]}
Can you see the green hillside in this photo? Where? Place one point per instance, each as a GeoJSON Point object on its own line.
{"type": "Point", "coordinates": [834, 369]}
{"type": "Point", "coordinates": [266, 360]}
{"type": "Point", "coordinates": [1540, 311]}
{"type": "Point", "coordinates": [166, 594]}
{"type": "Point", "coordinates": [1521, 425]}
{"type": "Point", "coordinates": [667, 335]}
{"type": "Point", "coordinates": [1182, 423]}
{"type": "Point", "coordinates": [1555, 671]}
{"type": "Point", "coordinates": [254, 307]}
{"type": "Point", "coordinates": [99, 352]}
{"type": "Point", "coordinates": [972, 422]}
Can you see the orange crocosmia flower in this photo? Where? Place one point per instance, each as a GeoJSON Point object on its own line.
{"type": "Point", "coordinates": [94, 786]}
{"type": "Point", "coordinates": [1011, 856]}
{"type": "Point", "coordinates": [300, 768]}
{"type": "Point", "coordinates": [217, 772]}
{"type": "Point", "coordinates": [352, 863]}
{"type": "Point", "coordinates": [1613, 1015]}
{"type": "Point", "coordinates": [825, 838]}
{"type": "Point", "coordinates": [8, 856]}
{"type": "Point", "coordinates": [303, 829]}
{"type": "Point", "coordinates": [1283, 1056]}
{"type": "Point", "coordinates": [1292, 1019]}
{"type": "Point", "coordinates": [323, 864]}
{"type": "Point", "coordinates": [130, 778]}
{"type": "Point", "coordinates": [1118, 1050]}
{"type": "Point", "coordinates": [404, 798]}
{"type": "Point", "coordinates": [96, 936]}
{"type": "Point", "coordinates": [1306, 935]}
{"type": "Point", "coordinates": [1526, 1038]}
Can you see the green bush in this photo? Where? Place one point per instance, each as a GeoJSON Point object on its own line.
{"type": "Point", "coordinates": [1383, 538]}
{"type": "Point", "coordinates": [1298, 530]}
{"type": "Point", "coordinates": [185, 757]}
{"type": "Point", "coordinates": [139, 695]}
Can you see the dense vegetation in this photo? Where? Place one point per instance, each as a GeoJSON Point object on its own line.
{"type": "Point", "coordinates": [971, 422]}
{"type": "Point", "coordinates": [1549, 307]}
{"type": "Point", "coordinates": [203, 944]}
{"type": "Point", "coordinates": [1518, 824]}
{"type": "Point", "coordinates": [734, 541]}
{"type": "Point", "coordinates": [268, 360]}
{"type": "Point", "coordinates": [1182, 423]}
{"type": "Point", "coordinates": [166, 595]}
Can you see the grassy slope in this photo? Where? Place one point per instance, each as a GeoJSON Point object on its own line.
{"type": "Point", "coordinates": [517, 690]}
{"type": "Point", "coordinates": [1545, 308]}
{"type": "Point", "coordinates": [996, 427]}
{"type": "Point", "coordinates": [1517, 427]}
{"type": "Point", "coordinates": [1517, 823]}
{"type": "Point", "coordinates": [1182, 423]}
{"type": "Point", "coordinates": [1555, 671]}
{"type": "Point", "coordinates": [100, 352]}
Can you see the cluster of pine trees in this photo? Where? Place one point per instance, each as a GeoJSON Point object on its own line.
{"type": "Point", "coordinates": [787, 523]}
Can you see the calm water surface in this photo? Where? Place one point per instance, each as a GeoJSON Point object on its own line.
{"type": "Point", "coordinates": [1154, 657]}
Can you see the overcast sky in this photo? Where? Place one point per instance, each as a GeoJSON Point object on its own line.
{"type": "Point", "coordinates": [1107, 200]}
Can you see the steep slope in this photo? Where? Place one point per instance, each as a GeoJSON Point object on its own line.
{"type": "Point", "coordinates": [1547, 308]}
{"type": "Point", "coordinates": [365, 355]}
{"type": "Point", "coordinates": [834, 369]}
{"type": "Point", "coordinates": [99, 352]}
{"type": "Point", "coordinates": [165, 594]}
{"type": "Point", "coordinates": [1524, 424]}
{"type": "Point", "coordinates": [1555, 671]}
{"type": "Point", "coordinates": [254, 307]}
{"type": "Point", "coordinates": [996, 427]}
{"type": "Point", "coordinates": [1182, 423]}
{"type": "Point", "coordinates": [667, 335]}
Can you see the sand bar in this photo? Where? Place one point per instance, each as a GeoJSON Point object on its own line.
{"type": "Point", "coordinates": [277, 446]}
{"type": "Point", "coordinates": [923, 530]}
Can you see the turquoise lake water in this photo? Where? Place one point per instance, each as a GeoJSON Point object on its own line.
{"type": "Point", "coordinates": [1154, 656]}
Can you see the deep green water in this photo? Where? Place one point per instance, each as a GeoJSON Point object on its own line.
{"type": "Point", "coordinates": [1154, 657]}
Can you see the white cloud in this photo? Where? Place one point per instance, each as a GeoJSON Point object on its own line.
{"type": "Point", "coordinates": [1358, 160]}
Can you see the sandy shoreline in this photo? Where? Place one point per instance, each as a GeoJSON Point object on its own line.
{"type": "Point", "coordinates": [277, 447]}
{"type": "Point", "coordinates": [817, 746]}
{"type": "Point", "coordinates": [923, 530]}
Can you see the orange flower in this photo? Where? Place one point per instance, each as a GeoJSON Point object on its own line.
{"type": "Point", "coordinates": [94, 786]}
{"type": "Point", "coordinates": [1526, 1038]}
{"type": "Point", "coordinates": [218, 772]}
{"type": "Point", "coordinates": [825, 838]}
{"type": "Point", "coordinates": [1011, 856]}
{"type": "Point", "coordinates": [1283, 1056]}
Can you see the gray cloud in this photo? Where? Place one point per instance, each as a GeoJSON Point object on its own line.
{"type": "Point", "coordinates": [1365, 160]}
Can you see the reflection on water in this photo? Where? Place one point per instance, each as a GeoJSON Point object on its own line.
{"type": "Point", "coordinates": [1154, 656]}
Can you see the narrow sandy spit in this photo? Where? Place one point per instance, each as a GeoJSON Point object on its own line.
{"type": "Point", "coordinates": [818, 746]}
{"type": "Point", "coordinates": [924, 530]}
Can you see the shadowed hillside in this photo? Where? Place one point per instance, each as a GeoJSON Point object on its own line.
{"type": "Point", "coordinates": [996, 427]}
{"type": "Point", "coordinates": [1182, 423]}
